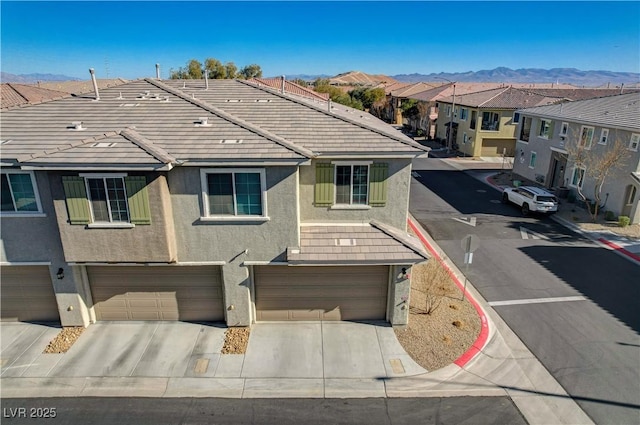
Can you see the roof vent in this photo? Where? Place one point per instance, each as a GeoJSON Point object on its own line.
{"type": "Point", "coordinates": [166, 99]}
{"type": "Point", "coordinates": [76, 125]}
{"type": "Point", "coordinates": [95, 83]}
{"type": "Point", "coordinates": [120, 96]}
{"type": "Point", "coordinates": [104, 145]}
{"type": "Point", "coordinates": [230, 141]}
{"type": "Point", "coordinates": [4, 142]}
{"type": "Point", "coordinates": [234, 100]}
{"type": "Point", "coordinates": [345, 242]}
{"type": "Point", "coordinates": [202, 122]}
{"type": "Point", "coordinates": [129, 105]}
{"type": "Point", "coordinates": [263, 100]}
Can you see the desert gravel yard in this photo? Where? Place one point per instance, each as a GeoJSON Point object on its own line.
{"type": "Point", "coordinates": [441, 326]}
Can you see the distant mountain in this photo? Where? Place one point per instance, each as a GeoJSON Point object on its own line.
{"type": "Point", "coordinates": [531, 75]}
{"type": "Point", "coordinates": [305, 77]}
{"type": "Point", "coordinates": [5, 77]}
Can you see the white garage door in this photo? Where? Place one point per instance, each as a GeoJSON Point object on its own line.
{"type": "Point", "coordinates": [27, 294]}
{"type": "Point", "coordinates": [157, 293]}
{"type": "Point", "coordinates": [321, 293]}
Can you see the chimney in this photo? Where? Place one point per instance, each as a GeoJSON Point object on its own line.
{"type": "Point", "coordinates": [95, 83]}
{"type": "Point", "coordinates": [206, 79]}
{"type": "Point", "coordinates": [158, 71]}
{"type": "Point", "coordinates": [282, 84]}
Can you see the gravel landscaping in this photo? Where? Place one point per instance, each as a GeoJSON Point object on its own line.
{"type": "Point", "coordinates": [64, 340]}
{"type": "Point", "coordinates": [235, 341]}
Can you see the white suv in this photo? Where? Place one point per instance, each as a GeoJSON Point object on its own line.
{"type": "Point", "coordinates": [531, 199]}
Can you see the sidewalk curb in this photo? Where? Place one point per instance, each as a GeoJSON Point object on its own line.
{"type": "Point", "coordinates": [483, 336]}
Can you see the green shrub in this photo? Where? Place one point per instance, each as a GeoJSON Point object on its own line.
{"type": "Point", "coordinates": [609, 216]}
{"type": "Point", "coordinates": [623, 221]}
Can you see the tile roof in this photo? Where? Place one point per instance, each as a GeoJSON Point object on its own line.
{"type": "Point", "coordinates": [244, 122]}
{"type": "Point", "coordinates": [13, 94]}
{"type": "Point", "coordinates": [355, 244]}
{"type": "Point", "coordinates": [502, 98]}
{"type": "Point", "coordinates": [81, 87]}
{"type": "Point", "coordinates": [621, 111]}
{"type": "Point", "coordinates": [291, 88]}
{"type": "Point", "coordinates": [411, 89]}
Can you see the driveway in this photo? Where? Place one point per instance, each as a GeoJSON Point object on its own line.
{"type": "Point", "coordinates": [178, 349]}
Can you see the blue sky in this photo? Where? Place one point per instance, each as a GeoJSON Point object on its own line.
{"type": "Point", "coordinates": [126, 39]}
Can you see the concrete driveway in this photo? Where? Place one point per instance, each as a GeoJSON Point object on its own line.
{"type": "Point", "coordinates": [178, 349]}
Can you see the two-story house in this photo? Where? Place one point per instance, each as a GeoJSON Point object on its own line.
{"type": "Point", "coordinates": [219, 200]}
{"type": "Point", "coordinates": [546, 134]}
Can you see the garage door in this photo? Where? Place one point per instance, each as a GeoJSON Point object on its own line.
{"type": "Point", "coordinates": [157, 293]}
{"type": "Point", "coordinates": [494, 147]}
{"type": "Point", "coordinates": [321, 293]}
{"type": "Point", "coordinates": [27, 294]}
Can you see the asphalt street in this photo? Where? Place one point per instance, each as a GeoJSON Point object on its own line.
{"type": "Point", "coordinates": [573, 303]}
{"type": "Point", "coordinates": [183, 411]}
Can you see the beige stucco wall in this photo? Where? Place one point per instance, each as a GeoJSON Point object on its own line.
{"type": "Point", "coordinates": [142, 243]}
{"type": "Point", "coordinates": [394, 213]}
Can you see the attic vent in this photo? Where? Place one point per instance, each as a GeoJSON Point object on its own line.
{"type": "Point", "coordinates": [129, 105]}
{"type": "Point", "coordinates": [231, 141]}
{"type": "Point", "coordinates": [76, 126]}
{"type": "Point", "coordinates": [263, 100]}
{"type": "Point", "coordinates": [345, 242]}
{"type": "Point", "coordinates": [234, 100]}
{"type": "Point", "coordinates": [104, 145]}
{"type": "Point", "coordinates": [202, 122]}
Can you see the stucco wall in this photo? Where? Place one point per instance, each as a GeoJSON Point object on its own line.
{"type": "Point", "coordinates": [142, 243]}
{"type": "Point", "coordinates": [393, 213]}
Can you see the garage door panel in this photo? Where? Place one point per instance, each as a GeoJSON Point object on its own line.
{"type": "Point", "coordinates": [27, 294]}
{"type": "Point", "coordinates": [157, 293]}
{"type": "Point", "coordinates": [321, 293]}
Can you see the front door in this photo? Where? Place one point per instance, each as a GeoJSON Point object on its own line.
{"type": "Point", "coordinates": [558, 165]}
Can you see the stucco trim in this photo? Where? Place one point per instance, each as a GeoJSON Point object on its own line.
{"type": "Point", "coordinates": [25, 263]}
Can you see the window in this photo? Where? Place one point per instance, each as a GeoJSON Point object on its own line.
{"type": "Point", "coordinates": [532, 160]}
{"type": "Point", "coordinates": [604, 136]}
{"type": "Point", "coordinates": [233, 193]}
{"type": "Point", "coordinates": [474, 118]}
{"type": "Point", "coordinates": [352, 182]}
{"type": "Point", "coordinates": [108, 199]}
{"type": "Point", "coordinates": [448, 110]}
{"type": "Point", "coordinates": [19, 193]}
{"type": "Point", "coordinates": [564, 129]}
{"type": "Point", "coordinates": [490, 121]}
{"type": "Point", "coordinates": [516, 117]}
{"type": "Point", "coordinates": [525, 129]}
{"type": "Point", "coordinates": [634, 142]}
{"type": "Point", "coordinates": [545, 129]}
{"type": "Point", "coordinates": [586, 137]}
{"type": "Point", "coordinates": [577, 178]}
{"type": "Point", "coordinates": [464, 113]}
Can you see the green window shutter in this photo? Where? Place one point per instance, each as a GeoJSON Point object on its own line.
{"type": "Point", "coordinates": [324, 185]}
{"type": "Point", "coordinates": [378, 184]}
{"type": "Point", "coordinates": [138, 198]}
{"type": "Point", "coordinates": [77, 203]}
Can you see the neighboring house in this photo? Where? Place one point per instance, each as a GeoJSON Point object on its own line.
{"type": "Point", "coordinates": [392, 109]}
{"type": "Point", "coordinates": [545, 133]}
{"type": "Point", "coordinates": [14, 95]}
{"type": "Point", "coordinates": [164, 200]}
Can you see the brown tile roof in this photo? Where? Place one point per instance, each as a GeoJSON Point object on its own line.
{"type": "Point", "coordinates": [81, 87]}
{"type": "Point", "coordinates": [291, 87]}
{"type": "Point", "coordinates": [414, 88]}
{"type": "Point", "coordinates": [355, 244]}
{"type": "Point", "coordinates": [502, 98]}
{"type": "Point", "coordinates": [13, 94]}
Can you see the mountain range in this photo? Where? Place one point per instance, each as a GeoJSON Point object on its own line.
{"type": "Point", "coordinates": [5, 77]}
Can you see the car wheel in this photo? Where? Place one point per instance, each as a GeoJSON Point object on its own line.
{"type": "Point", "coordinates": [525, 209]}
{"type": "Point", "coordinates": [505, 198]}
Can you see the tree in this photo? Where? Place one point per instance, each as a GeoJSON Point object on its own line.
{"type": "Point", "coordinates": [194, 69]}
{"type": "Point", "coordinates": [367, 96]}
{"type": "Point", "coordinates": [251, 71]}
{"type": "Point", "coordinates": [301, 82]}
{"type": "Point", "coordinates": [216, 69]}
{"type": "Point", "coordinates": [232, 70]}
{"type": "Point", "coordinates": [597, 162]}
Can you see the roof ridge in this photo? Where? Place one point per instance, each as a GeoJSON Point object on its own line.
{"type": "Point", "coordinates": [331, 114]}
{"type": "Point", "coordinates": [392, 232]}
{"type": "Point", "coordinates": [17, 92]}
{"type": "Point", "coordinates": [147, 145]}
{"type": "Point", "coordinates": [233, 119]}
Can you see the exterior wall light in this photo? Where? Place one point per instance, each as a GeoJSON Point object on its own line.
{"type": "Point", "coordinates": [60, 273]}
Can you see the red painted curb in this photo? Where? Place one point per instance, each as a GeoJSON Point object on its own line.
{"type": "Point", "coordinates": [620, 249]}
{"type": "Point", "coordinates": [489, 182]}
{"type": "Point", "coordinates": [484, 325]}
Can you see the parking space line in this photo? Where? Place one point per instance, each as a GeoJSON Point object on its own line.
{"type": "Point", "coordinates": [537, 301]}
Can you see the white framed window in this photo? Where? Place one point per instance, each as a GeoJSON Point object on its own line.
{"type": "Point", "coordinates": [352, 183]}
{"type": "Point", "coordinates": [545, 129]}
{"type": "Point", "coordinates": [604, 136]}
{"type": "Point", "coordinates": [577, 176]}
{"type": "Point", "coordinates": [107, 196]}
{"type": "Point", "coordinates": [634, 142]}
{"type": "Point", "coordinates": [19, 193]}
{"type": "Point", "coordinates": [464, 113]}
{"type": "Point", "coordinates": [238, 193]}
{"type": "Point", "coordinates": [586, 137]}
{"type": "Point", "coordinates": [532, 159]}
{"type": "Point", "coordinates": [564, 129]}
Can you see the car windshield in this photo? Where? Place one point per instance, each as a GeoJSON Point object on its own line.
{"type": "Point", "coordinates": [546, 199]}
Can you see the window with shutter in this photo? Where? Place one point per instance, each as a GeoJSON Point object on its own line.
{"type": "Point", "coordinates": [324, 185]}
